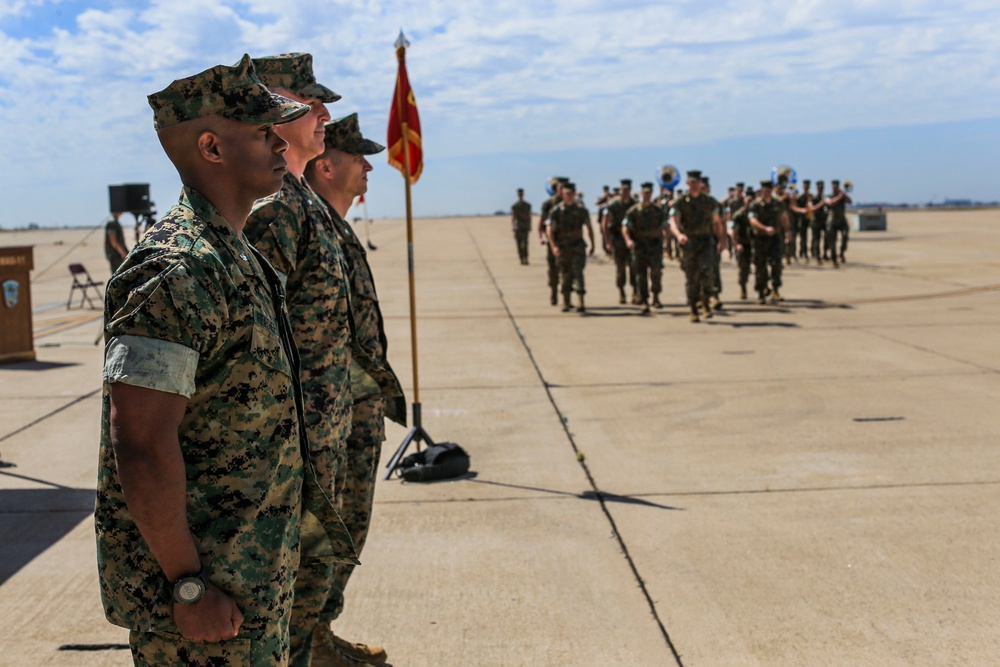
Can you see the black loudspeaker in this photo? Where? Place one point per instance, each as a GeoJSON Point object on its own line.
{"type": "Point", "coordinates": [129, 198]}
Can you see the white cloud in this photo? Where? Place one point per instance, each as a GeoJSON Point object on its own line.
{"type": "Point", "coordinates": [504, 76]}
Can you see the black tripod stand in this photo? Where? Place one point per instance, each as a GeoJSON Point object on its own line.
{"type": "Point", "coordinates": [417, 433]}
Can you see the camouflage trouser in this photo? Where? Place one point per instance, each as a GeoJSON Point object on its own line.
{"type": "Point", "coordinates": [314, 576]}
{"type": "Point", "coordinates": [572, 259]}
{"type": "Point", "coordinates": [647, 256]}
{"type": "Point", "coordinates": [767, 254]}
{"type": "Point", "coordinates": [743, 259]}
{"type": "Point", "coordinates": [833, 227]}
{"type": "Point", "coordinates": [623, 263]}
{"type": "Point", "coordinates": [356, 490]}
{"type": "Point", "coordinates": [716, 270]}
{"type": "Point", "coordinates": [162, 649]}
{"type": "Point", "coordinates": [553, 268]}
{"type": "Point", "coordinates": [698, 263]}
{"type": "Point", "coordinates": [804, 227]}
{"type": "Point", "coordinates": [521, 238]}
{"type": "Point", "coordinates": [793, 229]}
{"type": "Point", "coordinates": [818, 228]}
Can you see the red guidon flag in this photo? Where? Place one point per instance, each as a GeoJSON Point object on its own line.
{"type": "Point", "coordinates": [404, 123]}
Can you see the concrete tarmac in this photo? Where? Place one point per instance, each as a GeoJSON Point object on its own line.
{"type": "Point", "coordinates": [813, 482]}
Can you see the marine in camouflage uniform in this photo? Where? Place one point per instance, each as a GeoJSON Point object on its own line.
{"type": "Point", "coordinates": [821, 212]}
{"type": "Point", "coordinates": [611, 224]}
{"type": "Point", "coordinates": [293, 230]}
{"type": "Point", "coordinates": [644, 231]}
{"type": "Point", "coordinates": [520, 223]}
{"type": "Point", "coordinates": [664, 200]}
{"type": "Point", "coordinates": [204, 476]}
{"type": "Point", "coordinates": [339, 175]}
{"type": "Point", "coordinates": [717, 263]}
{"type": "Point", "coordinates": [802, 215]}
{"type": "Point", "coordinates": [553, 267]}
{"type": "Point", "coordinates": [769, 221]}
{"type": "Point", "coordinates": [837, 222]}
{"type": "Point", "coordinates": [565, 233]}
{"type": "Point", "coordinates": [694, 220]}
{"type": "Point", "coordinates": [742, 239]}
{"type": "Point", "coordinates": [601, 204]}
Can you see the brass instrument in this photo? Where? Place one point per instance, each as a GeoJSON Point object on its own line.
{"type": "Point", "coordinates": [848, 186]}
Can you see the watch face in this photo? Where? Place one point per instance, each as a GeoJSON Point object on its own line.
{"type": "Point", "coordinates": [190, 590]}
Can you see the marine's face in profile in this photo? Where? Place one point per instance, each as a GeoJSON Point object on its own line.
{"type": "Point", "coordinates": [255, 156]}
{"type": "Point", "coordinates": [305, 135]}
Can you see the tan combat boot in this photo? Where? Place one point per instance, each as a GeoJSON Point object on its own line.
{"type": "Point", "coordinates": [581, 308]}
{"type": "Point", "coordinates": [621, 295]}
{"type": "Point", "coordinates": [329, 650]}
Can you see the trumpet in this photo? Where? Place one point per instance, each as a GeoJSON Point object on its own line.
{"type": "Point", "coordinates": [848, 186]}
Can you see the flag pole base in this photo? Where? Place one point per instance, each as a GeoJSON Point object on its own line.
{"type": "Point", "coordinates": [416, 433]}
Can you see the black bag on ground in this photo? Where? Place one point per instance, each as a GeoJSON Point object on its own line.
{"type": "Point", "coordinates": [444, 460]}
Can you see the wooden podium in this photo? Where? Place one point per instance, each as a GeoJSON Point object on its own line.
{"type": "Point", "coordinates": [16, 340]}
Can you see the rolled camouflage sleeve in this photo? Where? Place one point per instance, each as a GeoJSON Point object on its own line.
{"type": "Point", "coordinates": [162, 315]}
{"type": "Point", "coordinates": [273, 228]}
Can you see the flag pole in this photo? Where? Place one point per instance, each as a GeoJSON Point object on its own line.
{"type": "Point", "coordinates": [416, 432]}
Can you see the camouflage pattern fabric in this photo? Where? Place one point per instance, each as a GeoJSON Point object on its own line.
{"type": "Point", "coordinates": [695, 217]}
{"type": "Point", "coordinates": [294, 232]}
{"type": "Point", "coordinates": [521, 211]}
{"type": "Point", "coordinates": [294, 72]}
{"type": "Point", "coordinates": [836, 225]}
{"type": "Point", "coordinates": [645, 224]}
{"type": "Point", "coordinates": [553, 266]}
{"type": "Point", "coordinates": [695, 214]}
{"type": "Point", "coordinates": [698, 265]}
{"type": "Point", "coordinates": [741, 230]}
{"type": "Point", "coordinates": [344, 134]}
{"type": "Point", "coordinates": [355, 482]}
{"type": "Point", "coordinates": [231, 92]}
{"type": "Point", "coordinates": [768, 251]}
{"type": "Point", "coordinates": [817, 227]}
{"type": "Point", "coordinates": [196, 311]}
{"type": "Point", "coordinates": [154, 649]}
{"type": "Point", "coordinates": [617, 208]}
{"type": "Point", "coordinates": [567, 222]}
{"type": "Point", "coordinates": [356, 489]}
{"type": "Point", "coordinates": [369, 328]}
{"type": "Point", "coordinates": [802, 231]}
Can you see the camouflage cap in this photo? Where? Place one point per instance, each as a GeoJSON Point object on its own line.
{"type": "Point", "coordinates": [294, 72]}
{"type": "Point", "coordinates": [344, 135]}
{"type": "Point", "coordinates": [694, 175]}
{"type": "Point", "coordinates": [740, 184]}
{"type": "Point", "coordinates": [569, 186]}
{"type": "Point", "coordinates": [766, 184]}
{"type": "Point", "coordinates": [626, 181]}
{"type": "Point", "coordinates": [648, 185]}
{"type": "Point", "coordinates": [231, 92]}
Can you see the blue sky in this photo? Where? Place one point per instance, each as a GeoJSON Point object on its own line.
{"type": "Point", "coordinates": [903, 98]}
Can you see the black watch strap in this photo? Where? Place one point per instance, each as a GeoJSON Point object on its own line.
{"type": "Point", "coordinates": [189, 589]}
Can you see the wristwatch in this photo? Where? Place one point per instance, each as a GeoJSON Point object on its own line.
{"type": "Point", "coordinates": [189, 589]}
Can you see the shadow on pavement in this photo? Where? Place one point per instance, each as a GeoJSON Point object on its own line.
{"type": "Point", "coordinates": [36, 366]}
{"type": "Point", "coordinates": [32, 520]}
